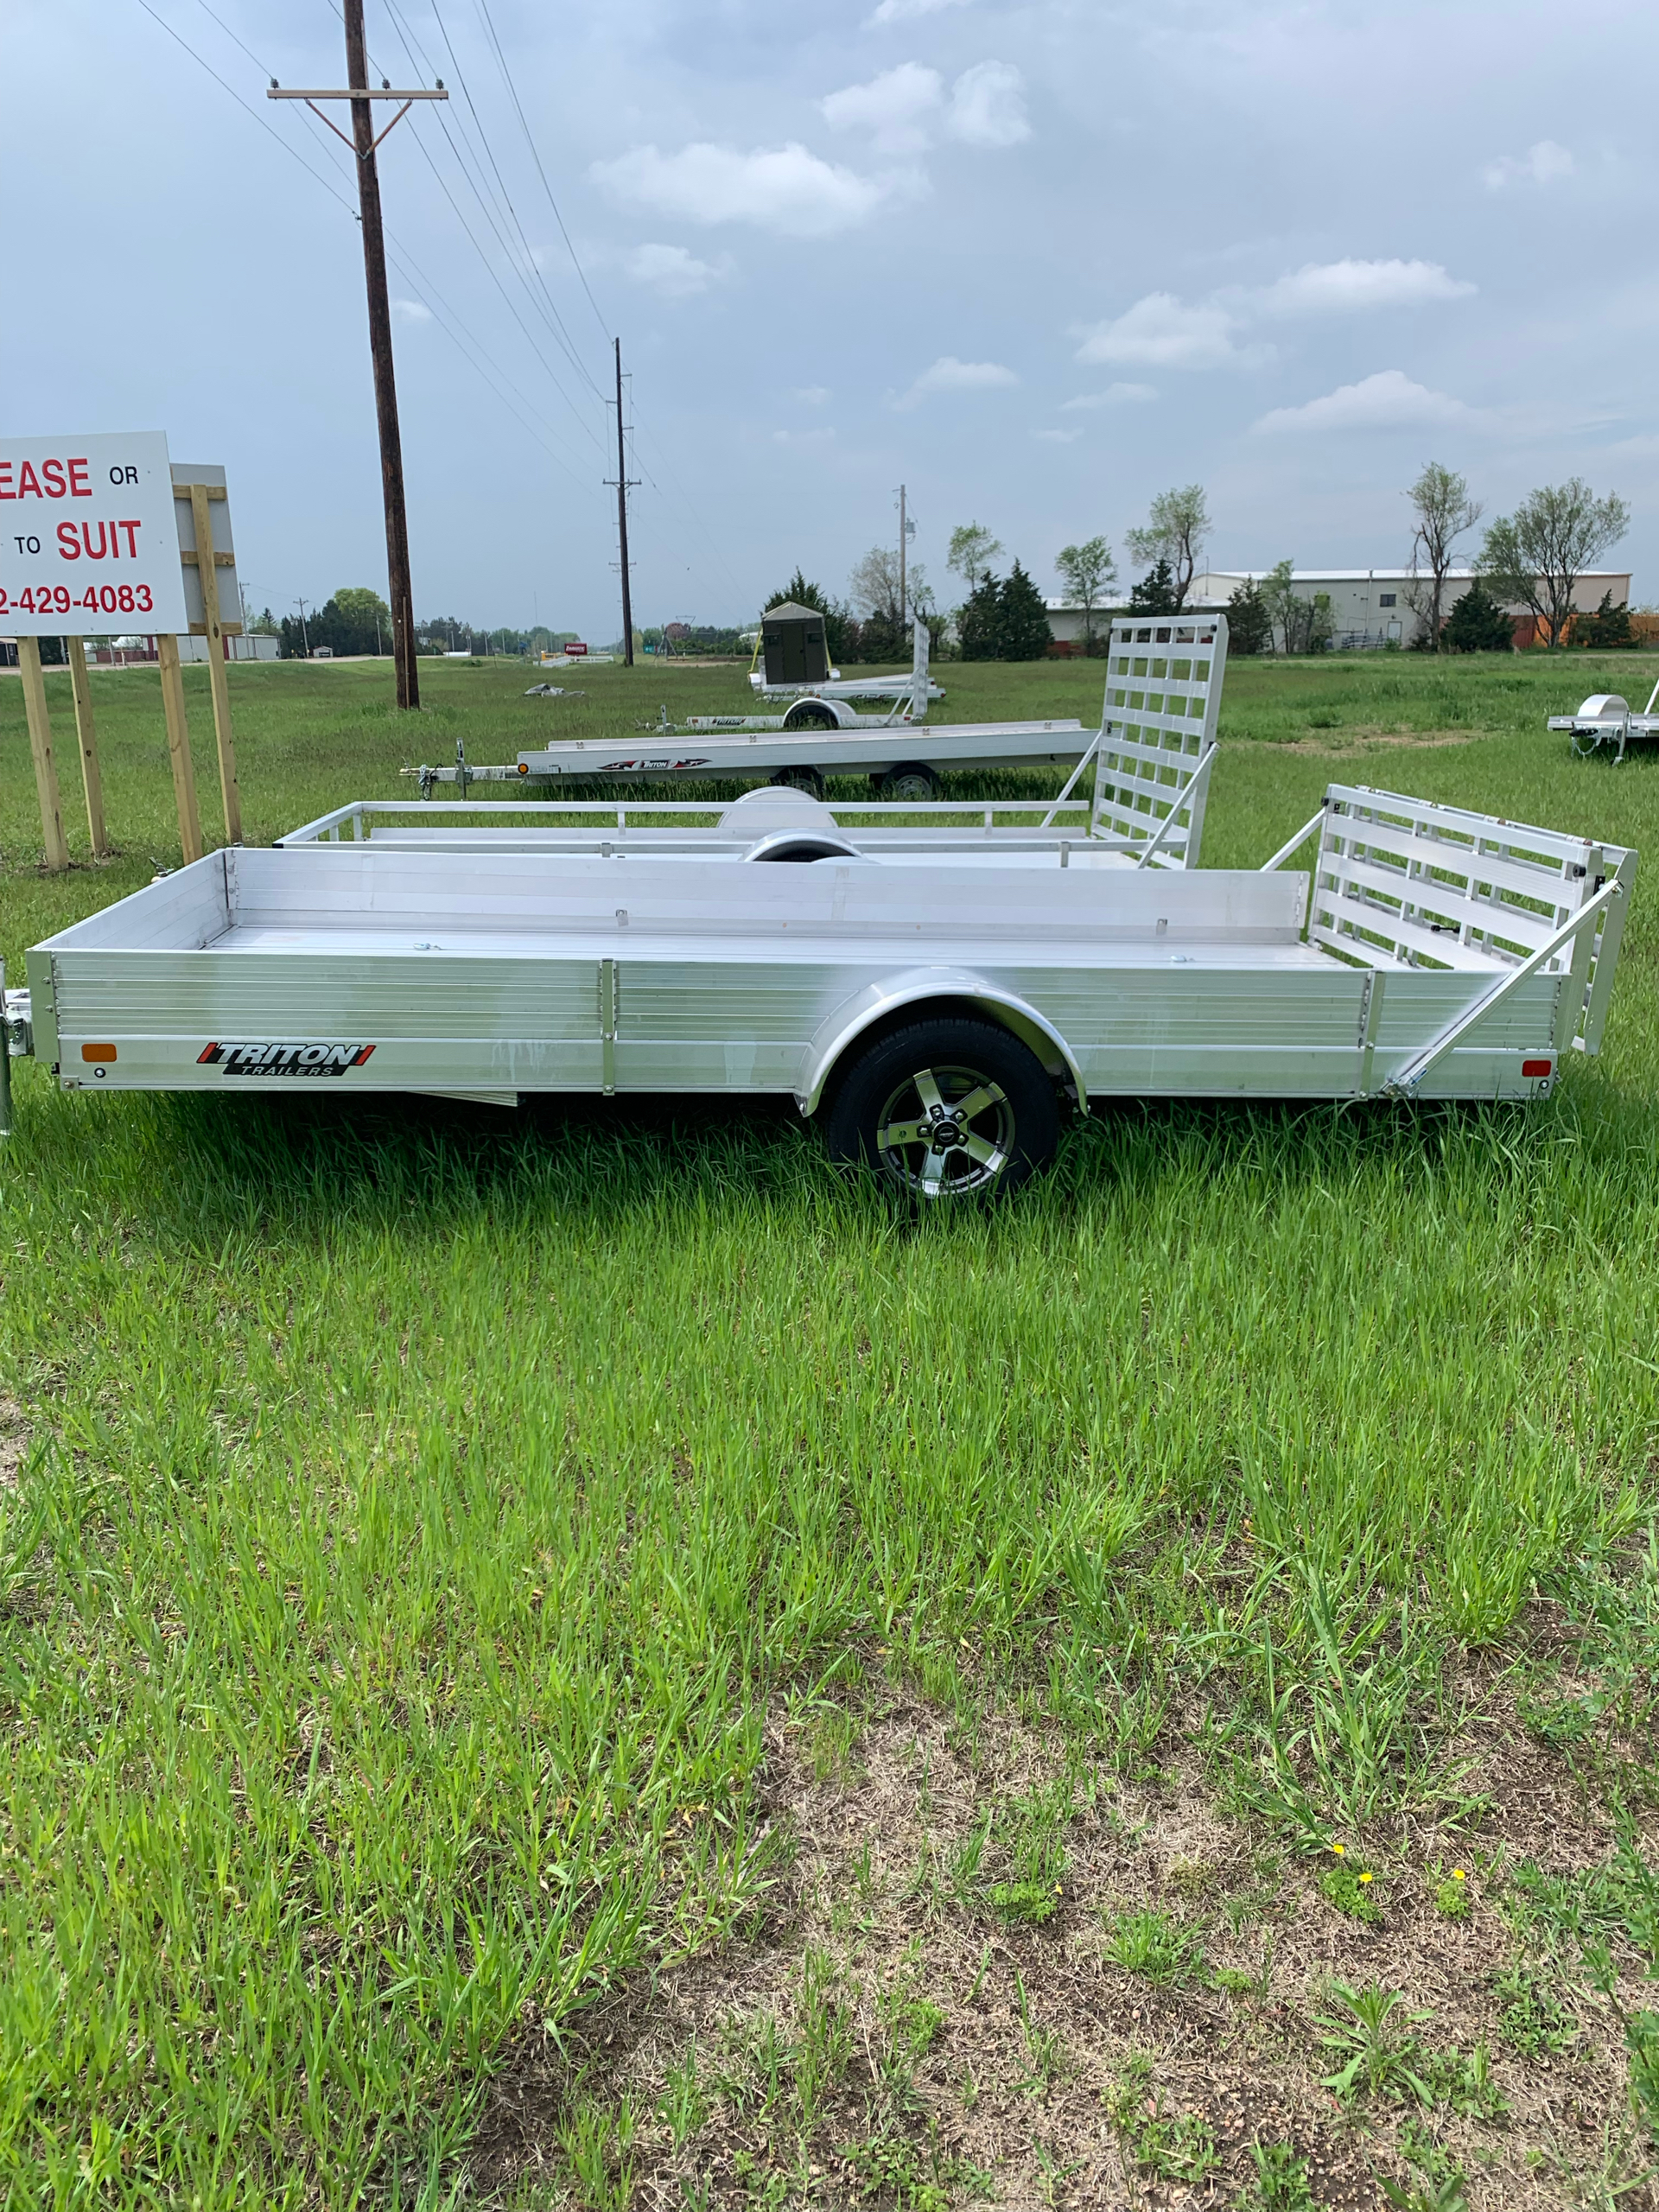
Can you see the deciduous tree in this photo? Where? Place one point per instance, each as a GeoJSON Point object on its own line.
{"type": "Point", "coordinates": [1439, 499]}
{"type": "Point", "coordinates": [1086, 570]}
{"type": "Point", "coordinates": [1534, 557]}
{"type": "Point", "coordinates": [973, 548]}
{"type": "Point", "coordinates": [1176, 528]}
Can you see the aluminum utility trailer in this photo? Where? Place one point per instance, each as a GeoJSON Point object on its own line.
{"type": "Point", "coordinates": [825, 706]}
{"type": "Point", "coordinates": [1606, 719]}
{"type": "Point", "coordinates": [931, 993]}
{"type": "Point", "coordinates": [1162, 673]}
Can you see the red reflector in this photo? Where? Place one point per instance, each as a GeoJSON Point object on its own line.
{"type": "Point", "coordinates": [97, 1051]}
{"type": "Point", "coordinates": [1535, 1067]}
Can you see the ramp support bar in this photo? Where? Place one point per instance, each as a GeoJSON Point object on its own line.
{"type": "Point", "coordinates": [1187, 798]}
{"type": "Point", "coordinates": [5, 1060]}
{"type": "Point", "coordinates": [1300, 838]}
{"type": "Point", "coordinates": [1404, 1084]}
{"type": "Point", "coordinates": [1071, 782]}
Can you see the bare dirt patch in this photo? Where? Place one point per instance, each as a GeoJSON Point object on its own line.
{"type": "Point", "coordinates": [1371, 737]}
{"type": "Point", "coordinates": [998, 1973]}
{"type": "Point", "coordinates": [14, 1442]}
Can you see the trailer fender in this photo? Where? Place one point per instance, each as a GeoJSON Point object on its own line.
{"type": "Point", "coordinates": [915, 987]}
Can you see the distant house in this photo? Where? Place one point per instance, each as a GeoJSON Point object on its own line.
{"type": "Point", "coordinates": [1372, 607]}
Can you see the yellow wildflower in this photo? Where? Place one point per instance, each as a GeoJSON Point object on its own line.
{"type": "Point", "coordinates": [1365, 1878]}
{"type": "Point", "coordinates": [1339, 1849]}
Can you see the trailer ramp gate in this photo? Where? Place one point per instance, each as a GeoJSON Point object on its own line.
{"type": "Point", "coordinates": [1406, 882]}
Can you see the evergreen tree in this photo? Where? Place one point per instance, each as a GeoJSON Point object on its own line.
{"type": "Point", "coordinates": [1156, 593]}
{"type": "Point", "coordinates": [1249, 622]}
{"type": "Point", "coordinates": [1608, 628]}
{"type": "Point", "coordinates": [836, 618]}
{"type": "Point", "coordinates": [979, 620]}
{"type": "Point", "coordinates": [1477, 624]}
{"type": "Point", "coordinates": [1023, 631]}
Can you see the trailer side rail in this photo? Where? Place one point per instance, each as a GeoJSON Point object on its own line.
{"type": "Point", "coordinates": [1158, 725]}
{"type": "Point", "coordinates": [1410, 881]}
{"type": "Point", "coordinates": [357, 819]}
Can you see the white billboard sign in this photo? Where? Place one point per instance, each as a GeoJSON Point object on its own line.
{"type": "Point", "coordinates": [88, 542]}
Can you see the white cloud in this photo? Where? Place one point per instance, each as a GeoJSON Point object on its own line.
{"type": "Point", "coordinates": [782, 188]}
{"type": "Point", "coordinates": [1115, 395]}
{"type": "Point", "coordinates": [1161, 332]}
{"type": "Point", "coordinates": [949, 374]}
{"type": "Point", "coordinates": [1541, 164]}
{"type": "Point", "coordinates": [812, 395]}
{"type": "Point", "coordinates": [1058, 437]}
{"type": "Point", "coordinates": [673, 271]}
{"type": "Point", "coordinates": [890, 107]}
{"type": "Point", "coordinates": [902, 11]}
{"type": "Point", "coordinates": [412, 310]}
{"type": "Point", "coordinates": [988, 105]}
{"type": "Point", "coordinates": [1347, 287]}
{"type": "Point", "coordinates": [1387, 401]}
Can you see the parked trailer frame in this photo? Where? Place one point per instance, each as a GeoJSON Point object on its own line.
{"type": "Point", "coordinates": [932, 1005]}
{"type": "Point", "coordinates": [1606, 719]}
{"type": "Point", "coordinates": [1164, 678]}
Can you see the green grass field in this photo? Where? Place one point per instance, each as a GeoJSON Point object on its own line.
{"type": "Point", "coordinates": [571, 1658]}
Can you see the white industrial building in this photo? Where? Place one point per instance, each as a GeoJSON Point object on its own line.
{"type": "Point", "coordinates": [1373, 607]}
{"type": "Point", "coordinates": [1368, 607]}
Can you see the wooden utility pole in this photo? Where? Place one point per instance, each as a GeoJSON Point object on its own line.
{"type": "Point", "coordinates": [386, 384]}
{"type": "Point", "coordinates": [623, 483]}
{"type": "Point", "coordinates": [363, 143]}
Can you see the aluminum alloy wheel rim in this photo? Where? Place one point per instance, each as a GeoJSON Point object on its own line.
{"type": "Point", "coordinates": [910, 787]}
{"type": "Point", "coordinates": [945, 1131]}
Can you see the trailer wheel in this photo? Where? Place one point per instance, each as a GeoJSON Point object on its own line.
{"type": "Point", "coordinates": [945, 1108]}
{"type": "Point", "coordinates": [809, 714]}
{"type": "Point", "coordinates": [801, 779]}
{"type": "Point", "coordinates": [912, 780]}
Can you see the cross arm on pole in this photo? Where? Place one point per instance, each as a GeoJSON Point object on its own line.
{"type": "Point", "coordinates": [358, 92]}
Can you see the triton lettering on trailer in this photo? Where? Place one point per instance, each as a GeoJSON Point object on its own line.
{"type": "Point", "coordinates": [285, 1059]}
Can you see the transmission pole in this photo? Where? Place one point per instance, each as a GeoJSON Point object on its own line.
{"type": "Point", "coordinates": [363, 142]}
{"type": "Point", "coordinates": [623, 483]}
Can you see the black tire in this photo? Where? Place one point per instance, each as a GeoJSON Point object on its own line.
{"type": "Point", "coordinates": [801, 779]}
{"type": "Point", "coordinates": [1010, 1135]}
{"type": "Point", "coordinates": [912, 779]}
{"type": "Point", "coordinates": [809, 714]}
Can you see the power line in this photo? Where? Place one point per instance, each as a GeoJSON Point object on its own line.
{"type": "Point", "coordinates": [512, 90]}
{"type": "Point", "coordinates": [507, 196]}
{"type": "Point", "coordinates": [543, 305]}
{"type": "Point", "coordinates": [407, 266]}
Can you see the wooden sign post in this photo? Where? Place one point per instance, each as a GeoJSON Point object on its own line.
{"type": "Point", "coordinates": [209, 559]}
{"type": "Point", "coordinates": [178, 748]}
{"type": "Point", "coordinates": [92, 782]}
{"type": "Point", "coordinates": [39, 745]}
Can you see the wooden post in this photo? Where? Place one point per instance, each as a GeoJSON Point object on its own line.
{"type": "Point", "coordinates": [84, 730]}
{"type": "Point", "coordinates": [178, 746]}
{"type": "Point", "coordinates": [40, 744]}
{"type": "Point", "coordinates": [217, 674]}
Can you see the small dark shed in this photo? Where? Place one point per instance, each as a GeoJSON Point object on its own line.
{"type": "Point", "coordinates": [793, 639]}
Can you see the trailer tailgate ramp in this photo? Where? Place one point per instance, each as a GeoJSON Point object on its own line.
{"type": "Point", "coordinates": [1409, 883]}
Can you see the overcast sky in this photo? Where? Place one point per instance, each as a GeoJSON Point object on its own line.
{"type": "Point", "coordinates": [1036, 261]}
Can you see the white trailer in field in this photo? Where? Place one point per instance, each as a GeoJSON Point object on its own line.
{"type": "Point", "coordinates": [1605, 719]}
{"type": "Point", "coordinates": [903, 758]}
{"type": "Point", "coordinates": [933, 992]}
